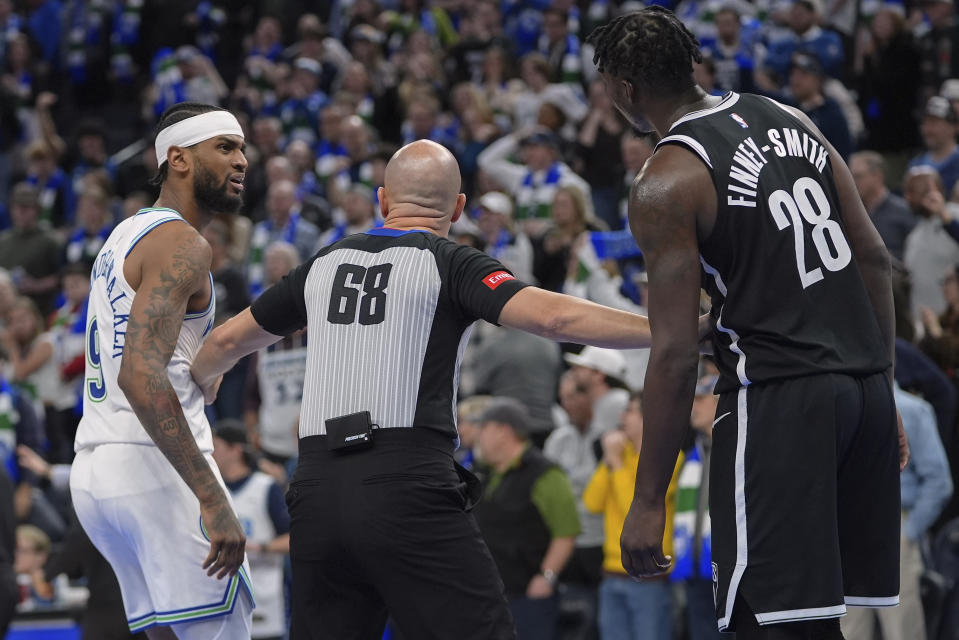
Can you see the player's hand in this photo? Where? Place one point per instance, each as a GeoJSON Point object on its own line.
{"type": "Point", "coordinates": [227, 541]}
{"type": "Point", "coordinates": [209, 389]}
{"type": "Point", "coordinates": [642, 540]}
{"type": "Point", "coordinates": [706, 327]}
{"type": "Point", "coordinates": [903, 443]}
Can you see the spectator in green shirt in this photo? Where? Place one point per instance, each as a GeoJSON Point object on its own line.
{"type": "Point", "coordinates": [527, 516]}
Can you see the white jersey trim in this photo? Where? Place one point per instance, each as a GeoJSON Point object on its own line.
{"type": "Point", "coordinates": [728, 100]}
{"type": "Point", "coordinates": [693, 145]}
{"type": "Point", "coordinates": [792, 615]}
{"type": "Point", "coordinates": [150, 228]}
{"type": "Point", "coordinates": [858, 601]}
{"type": "Point", "coordinates": [209, 306]}
{"type": "Point", "coordinates": [742, 546]}
{"type": "Point", "coordinates": [734, 337]}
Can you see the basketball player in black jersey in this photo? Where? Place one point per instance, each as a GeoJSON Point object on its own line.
{"type": "Point", "coordinates": [744, 197]}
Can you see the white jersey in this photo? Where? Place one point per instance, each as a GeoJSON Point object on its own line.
{"type": "Point", "coordinates": [107, 415]}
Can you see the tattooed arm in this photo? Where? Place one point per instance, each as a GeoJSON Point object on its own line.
{"type": "Point", "coordinates": [174, 262]}
{"type": "Point", "coordinates": [665, 203]}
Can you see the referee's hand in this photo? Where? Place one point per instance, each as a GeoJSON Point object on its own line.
{"type": "Point", "coordinates": [227, 540]}
{"type": "Point", "coordinates": [642, 540]}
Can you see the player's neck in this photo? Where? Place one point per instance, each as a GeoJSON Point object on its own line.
{"type": "Point", "coordinates": [185, 205]}
{"type": "Point", "coordinates": [694, 99]}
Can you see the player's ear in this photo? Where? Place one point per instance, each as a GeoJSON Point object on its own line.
{"type": "Point", "coordinates": [460, 205]}
{"type": "Point", "coordinates": [177, 160]}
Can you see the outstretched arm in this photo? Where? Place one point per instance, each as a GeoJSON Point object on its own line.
{"type": "Point", "coordinates": [176, 264]}
{"type": "Point", "coordinates": [663, 207]}
{"type": "Point", "coordinates": [232, 340]}
{"type": "Point", "coordinates": [568, 319]}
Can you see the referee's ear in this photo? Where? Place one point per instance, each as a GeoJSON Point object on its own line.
{"type": "Point", "coordinates": [460, 205]}
{"type": "Point", "coordinates": [384, 206]}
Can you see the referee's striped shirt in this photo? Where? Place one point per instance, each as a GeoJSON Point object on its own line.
{"type": "Point", "coordinates": [389, 315]}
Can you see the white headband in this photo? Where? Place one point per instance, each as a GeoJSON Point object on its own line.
{"type": "Point", "coordinates": [194, 129]}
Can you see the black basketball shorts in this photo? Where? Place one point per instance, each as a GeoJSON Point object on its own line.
{"type": "Point", "coordinates": [804, 498]}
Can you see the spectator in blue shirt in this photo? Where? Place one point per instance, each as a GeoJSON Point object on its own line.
{"type": "Point", "coordinates": [733, 56]}
{"type": "Point", "coordinates": [926, 486]}
{"type": "Point", "coordinates": [807, 36]}
{"type": "Point", "coordinates": [939, 128]}
{"type": "Point", "coordinates": [806, 76]}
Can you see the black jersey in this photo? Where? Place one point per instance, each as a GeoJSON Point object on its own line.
{"type": "Point", "coordinates": [787, 295]}
{"type": "Point", "coordinates": [389, 314]}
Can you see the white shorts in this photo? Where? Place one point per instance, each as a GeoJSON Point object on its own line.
{"type": "Point", "coordinates": [146, 522]}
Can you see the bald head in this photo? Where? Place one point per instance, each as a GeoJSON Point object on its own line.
{"type": "Point", "coordinates": [423, 175]}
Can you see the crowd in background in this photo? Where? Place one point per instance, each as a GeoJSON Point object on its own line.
{"type": "Point", "coordinates": [326, 91]}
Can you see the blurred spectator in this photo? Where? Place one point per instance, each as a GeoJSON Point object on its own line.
{"type": "Point", "coordinates": [733, 57]}
{"type": "Point", "coordinates": [8, 293]}
{"type": "Point", "coordinates": [930, 250]}
{"type": "Point", "coordinates": [50, 180]}
{"type": "Point", "coordinates": [574, 450]}
{"type": "Point", "coordinates": [90, 156]}
{"type": "Point", "coordinates": [494, 217]}
{"type": "Point", "coordinates": [357, 215]}
{"type": "Point", "coordinates": [229, 283]}
{"type": "Point", "coordinates": [232, 296]}
{"type": "Point", "coordinates": [261, 509]}
{"type": "Point", "coordinates": [533, 183]}
{"type": "Point", "coordinates": [8, 581]}
{"type": "Point", "coordinates": [468, 412]}
{"type": "Point", "coordinates": [599, 149]}
{"type": "Point", "coordinates": [926, 486]}
{"type": "Point", "coordinates": [283, 222]}
{"type": "Point", "coordinates": [331, 156]}
{"type": "Point", "coordinates": [31, 350]}
{"type": "Point", "coordinates": [22, 77]}
{"type": "Point", "coordinates": [276, 377]}
{"type": "Point", "coordinates": [938, 47]}
{"type": "Point", "coordinates": [692, 537]}
{"type": "Point", "coordinates": [527, 101]}
{"type": "Point", "coordinates": [557, 253]}
{"type": "Point", "coordinates": [806, 78]}
{"type": "Point", "coordinates": [527, 517]}
{"type": "Point", "coordinates": [68, 335]}
{"type": "Point", "coordinates": [30, 252]}
{"type": "Point", "coordinates": [806, 36]}
{"type": "Point", "coordinates": [561, 48]}
{"type": "Point", "coordinates": [889, 212]}
{"type": "Point", "coordinates": [33, 549]}
{"type": "Point", "coordinates": [94, 224]}
{"type": "Point", "coordinates": [601, 373]}
{"type": "Point", "coordinates": [940, 125]}
{"type": "Point", "coordinates": [887, 82]}
{"type": "Point", "coordinates": [628, 608]}
{"type": "Point", "coordinates": [201, 79]}
{"type": "Point", "coordinates": [300, 112]}
{"type": "Point", "coordinates": [513, 364]}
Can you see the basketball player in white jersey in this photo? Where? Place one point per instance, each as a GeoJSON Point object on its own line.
{"type": "Point", "coordinates": [144, 484]}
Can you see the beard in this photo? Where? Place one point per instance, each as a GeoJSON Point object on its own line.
{"type": "Point", "coordinates": [212, 196]}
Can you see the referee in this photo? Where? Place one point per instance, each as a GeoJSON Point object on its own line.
{"type": "Point", "coordinates": [380, 523]}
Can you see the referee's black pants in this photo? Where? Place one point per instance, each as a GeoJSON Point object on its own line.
{"type": "Point", "coordinates": [385, 531]}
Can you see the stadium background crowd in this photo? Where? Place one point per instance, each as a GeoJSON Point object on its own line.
{"type": "Point", "coordinates": [326, 91]}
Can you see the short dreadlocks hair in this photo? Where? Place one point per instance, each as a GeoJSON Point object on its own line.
{"type": "Point", "coordinates": [651, 48]}
{"type": "Point", "coordinates": [177, 113]}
